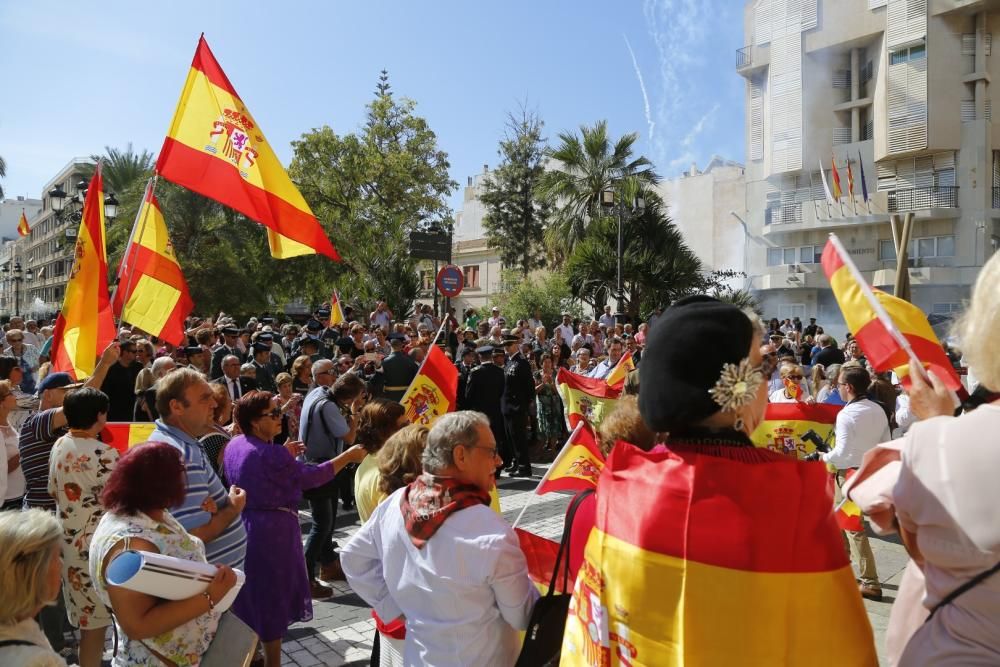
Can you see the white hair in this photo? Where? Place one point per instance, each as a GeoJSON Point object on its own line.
{"type": "Point", "coordinates": [977, 327]}
{"type": "Point", "coordinates": [160, 369]}
{"type": "Point", "coordinates": [448, 432]}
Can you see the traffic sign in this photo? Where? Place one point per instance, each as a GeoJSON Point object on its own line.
{"type": "Point", "coordinates": [450, 280]}
{"type": "Point", "coordinates": [430, 245]}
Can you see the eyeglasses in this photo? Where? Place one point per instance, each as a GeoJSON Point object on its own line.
{"type": "Point", "coordinates": [494, 452]}
{"type": "Point", "coordinates": [324, 373]}
{"type": "Point", "coordinates": [276, 413]}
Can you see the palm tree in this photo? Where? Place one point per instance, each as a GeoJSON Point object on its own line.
{"type": "Point", "coordinates": [582, 166]}
{"type": "Point", "coordinates": [123, 168]}
{"type": "Point", "coordinates": [3, 173]}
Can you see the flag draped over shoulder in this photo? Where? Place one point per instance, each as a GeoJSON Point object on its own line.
{"type": "Point", "coordinates": [22, 225]}
{"type": "Point", "coordinates": [585, 399]}
{"type": "Point", "coordinates": [616, 378]}
{"type": "Point", "coordinates": [216, 148]}
{"type": "Point", "coordinates": [577, 466]}
{"type": "Point", "coordinates": [708, 560]}
{"type": "Point", "coordinates": [85, 326]}
{"type": "Point", "coordinates": [433, 391]}
{"type": "Point", "coordinates": [125, 435]}
{"type": "Point", "coordinates": [881, 323]}
{"type": "Point", "coordinates": [785, 424]}
{"type": "Point", "coordinates": [152, 293]}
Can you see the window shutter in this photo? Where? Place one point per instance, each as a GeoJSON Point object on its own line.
{"type": "Point", "coordinates": [756, 150]}
{"type": "Point", "coordinates": [762, 22]}
{"type": "Point", "coordinates": [786, 103]}
{"type": "Point", "coordinates": [809, 14]}
{"type": "Point", "coordinates": [886, 173]}
{"type": "Point", "coordinates": [916, 89]}
{"type": "Point", "coordinates": [969, 44]}
{"type": "Point", "coordinates": [968, 110]}
{"type": "Point", "coordinates": [842, 78]}
{"type": "Point", "coordinates": [906, 22]}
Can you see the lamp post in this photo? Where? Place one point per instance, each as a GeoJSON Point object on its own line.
{"type": "Point", "coordinates": [70, 209]}
{"type": "Point", "coordinates": [16, 276]}
{"type": "Point", "coordinates": [610, 202]}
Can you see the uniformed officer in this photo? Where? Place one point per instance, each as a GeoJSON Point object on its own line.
{"type": "Point", "coordinates": [483, 393]}
{"type": "Point", "coordinates": [229, 336]}
{"type": "Point", "coordinates": [465, 365]}
{"type": "Point", "coordinates": [196, 358]}
{"type": "Point", "coordinates": [262, 365]}
{"type": "Point", "coordinates": [518, 395]}
{"type": "Point", "coordinates": [311, 330]}
{"type": "Point", "coordinates": [398, 369]}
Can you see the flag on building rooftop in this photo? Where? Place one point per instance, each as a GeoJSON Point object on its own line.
{"type": "Point", "coordinates": [786, 427]}
{"type": "Point", "coordinates": [216, 148]}
{"type": "Point", "coordinates": [85, 325]}
{"type": "Point", "coordinates": [585, 399]}
{"type": "Point", "coordinates": [889, 330]}
{"type": "Point", "coordinates": [850, 179]}
{"type": "Point", "coordinates": [837, 191]}
{"type": "Point", "coordinates": [125, 435]}
{"type": "Point", "coordinates": [22, 225]}
{"type": "Point", "coordinates": [152, 293]}
{"type": "Point", "coordinates": [336, 310]}
{"type": "Point", "coordinates": [578, 464]}
{"type": "Point", "coordinates": [616, 378]}
{"type": "Point", "coordinates": [699, 559]}
{"type": "Point", "coordinates": [433, 391]}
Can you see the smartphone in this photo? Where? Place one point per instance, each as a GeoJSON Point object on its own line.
{"type": "Point", "coordinates": [371, 356]}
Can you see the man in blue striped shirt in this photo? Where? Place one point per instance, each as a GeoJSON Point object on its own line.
{"type": "Point", "coordinates": [186, 406]}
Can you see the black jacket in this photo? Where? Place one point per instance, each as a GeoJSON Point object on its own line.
{"type": "Point", "coordinates": [519, 386]}
{"type": "Point", "coordinates": [484, 391]}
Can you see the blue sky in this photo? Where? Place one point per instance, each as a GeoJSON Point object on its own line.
{"type": "Point", "coordinates": [109, 73]}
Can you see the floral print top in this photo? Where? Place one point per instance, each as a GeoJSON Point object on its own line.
{"type": "Point", "coordinates": [185, 644]}
{"type": "Point", "coordinates": [78, 470]}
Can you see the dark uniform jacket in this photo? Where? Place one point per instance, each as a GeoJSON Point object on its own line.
{"type": "Point", "coordinates": [463, 381]}
{"type": "Point", "coordinates": [215, 371]}
{"type": "Point", "coordinates": [265, 377]}
{"type": "Point", "coordinates": [398, 371]}
{"type": "Point", "coordinates": [519, 386]}
{"type": "Point", "coordinates": [484, 390]}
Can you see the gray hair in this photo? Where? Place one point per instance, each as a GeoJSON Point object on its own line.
{"type": "Point", "coordinates": [160, 366]}
{"type": "Point", "coordinates": [448, 432]}
{"type": "Point", "coordinates": [321, 366]}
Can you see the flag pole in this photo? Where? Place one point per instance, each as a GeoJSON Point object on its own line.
{"type": "Point", "coordinates": [545, 477]}
{"type": "Point", "coordinates": [424, 361]}
{"type": "Point", "coordinates": [811, 187]}
{"type": "Point", "coordinates": [150, 188]}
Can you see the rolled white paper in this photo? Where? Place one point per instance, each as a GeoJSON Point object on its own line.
{"type": "Point", "coordinates": [167, 577]}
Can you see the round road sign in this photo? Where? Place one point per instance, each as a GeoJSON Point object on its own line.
{"type": "Point", "coordinates": [450, 280]}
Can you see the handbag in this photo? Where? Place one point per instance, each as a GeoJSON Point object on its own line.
{"type": "Point", "coordinates": [543, 637]}
{"type": "Point", "coordinates": [233, 645]}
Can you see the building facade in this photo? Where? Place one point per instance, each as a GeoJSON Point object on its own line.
{"type": "Point", "coordinates": [895, 96]}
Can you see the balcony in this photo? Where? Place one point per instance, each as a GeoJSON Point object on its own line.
{"type": "Point", "coordinates": [924, 198]}
{"type": "Point", "coordinates": [743, 58]}
{"type": "Point", "coordinates": [789, 214]}
{"type": "Point", "coordinates": [996, 197]}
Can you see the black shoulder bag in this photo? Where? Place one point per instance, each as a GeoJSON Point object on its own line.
{"type": "Point", "coordinates": [330, 489]}
{"type": "Point", "coordinates": [543, 638]}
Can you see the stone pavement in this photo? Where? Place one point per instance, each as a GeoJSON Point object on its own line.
{"type": "Point", "coordinates": [342, 629]}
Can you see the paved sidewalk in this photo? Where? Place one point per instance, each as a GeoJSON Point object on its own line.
{"type": "Point", "coordinates": [342, 629]}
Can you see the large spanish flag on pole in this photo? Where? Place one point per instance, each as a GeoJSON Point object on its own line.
{"type": "Point", "coordinates": [890, 331]}
{"type": "Point", "coordinates": [433, 391]}
{"type": "Point", "coordinates": [789, 428]}
{"type": "Point", "coordinates": [152, 293]}
{"type": "Point", "coordinates": [698, 559]}
{"type": "Point", "coordinates": [216, 148]}
{"type": "Point", "coordinates": [85, 325]}
{"type": "Point", "coordinates": [585, 399]}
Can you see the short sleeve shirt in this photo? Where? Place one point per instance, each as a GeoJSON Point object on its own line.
{"type": "Point", "coordinates": [35, 444]}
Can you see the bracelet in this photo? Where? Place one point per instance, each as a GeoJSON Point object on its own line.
{"type": "Point", "coordinates": [211, 605]}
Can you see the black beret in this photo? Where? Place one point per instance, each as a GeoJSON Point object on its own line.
{"type": "Point", "coordinates": [313, 325]}
{"type": "Point", "coordinates": [485, 349]}
{"type": "Point", "coordinates": [261, 347]}
{"type": "Point", "coordinates": [685, 351]}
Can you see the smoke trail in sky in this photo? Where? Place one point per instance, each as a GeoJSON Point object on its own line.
{"type": "Point", "coordinates": [642, 86]}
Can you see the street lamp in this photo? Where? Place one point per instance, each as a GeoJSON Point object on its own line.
{"type": "Point", "coordinates": [59, 200]}
{"type": "Point", "coordinates": [609, 203]}
{"type": "Point", "coordinates": [16, 278]}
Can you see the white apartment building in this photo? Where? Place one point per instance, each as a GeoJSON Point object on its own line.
{"type": "Point", "coordinates": [898, 89]}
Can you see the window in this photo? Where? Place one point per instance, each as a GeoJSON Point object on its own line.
{"type": "Point", "coordinates": [780, 256]}
{"type": "Point", "coordinates": [810, 254]}
{"type": "Point", "coordinates": [886, 250]}
{"type": "Point", "coordinates": [790, 310]}
{"type": "Point", "coordinates": [946, 308]}
{"type": "Point", "coordinates": [922, 248]}
{"type": "Point", "coordinates": [471, 276]}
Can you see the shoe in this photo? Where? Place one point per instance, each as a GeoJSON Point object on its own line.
{"type": "Point", "coordinates": [522, 471]}
{"type": "Point", "coordinates": [870, 592]}
{"type": "Point", "coordinates": [332, 572]}
{"type": "Point", "coordinates": [318, 591]}
{"type": "Point", "coordinates": [510, 467]}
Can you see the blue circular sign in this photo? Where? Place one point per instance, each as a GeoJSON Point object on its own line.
{"type": "Point", "coordinates": [450, 280]}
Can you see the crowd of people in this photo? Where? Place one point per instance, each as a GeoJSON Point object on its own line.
{"type": "Point", "coordinates": [252, 420]}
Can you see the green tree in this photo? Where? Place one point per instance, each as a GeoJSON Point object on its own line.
{"type": "Point", "coordinates": [582, 167]}
{"type": "Point", "coordinates": [516, 217]}
{"type": "Point", "coordinates": [657, 265]}
{"type": "Point", "coordinates": [371, 189]}
{"type": "Point", "coordinates": [548, 293]}
{"type": "Point", "coordinates": [123, 168]}
{"type": "Point", "coordinates": [3, 173]}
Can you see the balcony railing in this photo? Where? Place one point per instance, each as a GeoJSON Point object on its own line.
{"type": "Point", "coordinates": [783, 215]}
{"type": "Point", "coordinates": [996, 197]}
{"type": "Point", "coordinates": [743, 57]}
{"type": "Point", "coordinates": [920, 198]}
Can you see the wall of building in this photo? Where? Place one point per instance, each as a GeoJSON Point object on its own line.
{"type": "Point", "coordinates": [10, 214]}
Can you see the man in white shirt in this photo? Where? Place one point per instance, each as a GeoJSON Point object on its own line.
{"type": "Point", "coordinates": [861, 425]}
{"type": "Point", "coordinates": [566, 328]}
{"type": "Point", "coordinates": [616, 349]}
{"type": "Point", "coordinates": [494, 317]}
{"type": "Point", "coordinates": [607, 319]}
{"type": "Point", "coordinates": [436, 555]}
{"type": "Point", "coordinates": [583, 338]}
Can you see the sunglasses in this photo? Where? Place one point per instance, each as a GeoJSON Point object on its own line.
{"type": "Point", "coordinates": [794, 377]}
{"type": "Point", "coordinates": [16, 340]}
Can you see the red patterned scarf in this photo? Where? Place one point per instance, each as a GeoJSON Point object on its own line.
{"type": "Point", "coordinates": [429, 501]}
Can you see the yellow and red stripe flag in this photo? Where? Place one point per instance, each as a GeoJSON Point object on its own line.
{"type": "Point", "coordinates": [123, 436]}
{"type": "Point", "coordinates": [700, 559]}
{"type": "Point", "coordinates": [577, 466]}
{"type": "Point", "coordinates": [585, 399]}
{"type": "Point", "coordinates": [837, 192]}
{"type": "Point", "coordinates": [152, 293]}
{"type": "Point", "coordinates": [216, 148]}
{"type": "Point", "coordinates": [336, 311]}
{"type": "Point", "coordinates": [85, 325]}
{"type": "Point", "coordinates": [22, 225]}
{"type": "Point", "coordinates": [889, 330]}
{"type": "Point", "coordinates": [616, 378]}
{"type": "Point", "coordinates": [433, 391]}
{"type": "Point", "coordinates": [785, 424]}
{"type": "Point", "coordinates": [540, 554]}
{"type": "Point", "coordinates": [848, 513]}
{"type": "Point", "coordinates": [850, 179]}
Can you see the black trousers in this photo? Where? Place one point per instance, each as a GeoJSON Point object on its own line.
{"type": "Point", "coordinates": [516, 426]}
{"type": "Point", "coordinates": [500, 435]}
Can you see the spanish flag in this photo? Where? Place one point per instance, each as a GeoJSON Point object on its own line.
{"type": "Point", "coordinates": [433, 391]}
{"type": "Point", "coordinates": [837, 192]}
{"type": "Point", "coordinates": [540, 554]}
{"type": "Point", "coordinates": [785, 424]}
{"type": "Point", "coordinates": [700, 559]}
{"type": "Point", "coordinates": [585, 399]}
{"type": "Point", "coordinates": [85, 325]}
{"type": "Point", "coordinates": [22, 225]}
{"type": "Point", "coordinates": [850, 179]}
{"type": "Point", "coordinates": [616, 378]}
{"type": "Point", "coordinates": [123, 436]}
{"type": "Point", "coordinates": [216, 148]}
{"type": "Point", "coordinates": [152, 293]}
{"type": "Point", "coordinates": [848, 513]}
{"type": "Point", "coordinates": [889, 330]}
{"type": "Point", "coordinates": [577, 466]}
{"type": "Point", "coordinates": [336, 311]}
